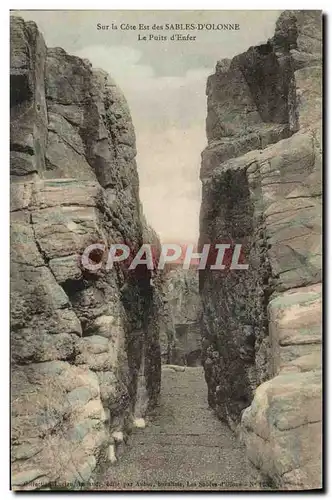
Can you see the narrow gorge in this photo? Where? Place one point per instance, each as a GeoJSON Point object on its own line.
{"type": "Point", "coordinates": [167, 379]}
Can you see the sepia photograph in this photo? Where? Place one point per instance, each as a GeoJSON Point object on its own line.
{"type": "Point", "coordinates": [166, 250]}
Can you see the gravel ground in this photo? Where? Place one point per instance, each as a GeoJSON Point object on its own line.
{"type": "Point", "coordinates": [184, 446]}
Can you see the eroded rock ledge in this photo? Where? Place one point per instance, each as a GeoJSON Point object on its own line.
{"type": "Point", "coordinates": [261, 175]}
{"type": "Point", "coordinates": [80, 341]}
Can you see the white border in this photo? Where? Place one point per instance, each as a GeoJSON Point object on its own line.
{"type": "Point", "coordinates": [4, 183]}
{"type": "Point", "coordinates": [167, 5]}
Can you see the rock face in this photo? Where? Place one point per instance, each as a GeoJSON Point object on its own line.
{"type": "Point", "coordinates": [184, 307]}
{"type": "Point", "coordinates": [261, 176]}
{"type": "Point", "coordinates": [79, 339]}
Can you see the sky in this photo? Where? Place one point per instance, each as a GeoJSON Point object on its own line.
{"type": "Point", "coordinates": [164, 83]}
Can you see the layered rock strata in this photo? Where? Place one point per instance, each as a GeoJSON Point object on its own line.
{"type": "Point", "coordinates": [79, 338]}
{"type": "Point", "coordinates": [261, 175]}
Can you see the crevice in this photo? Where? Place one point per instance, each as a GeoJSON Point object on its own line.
{"type": "Point", "coordinates": [20, 148]}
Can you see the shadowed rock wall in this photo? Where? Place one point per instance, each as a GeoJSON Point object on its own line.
{"type": "Point", "coordinates": [78, 338]}
{"type": "Point", "coordinates": [261, 176]}
{"type": "Point", "coordinates": [183, 300]}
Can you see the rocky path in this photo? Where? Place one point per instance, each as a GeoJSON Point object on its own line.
{"type": "Point", "coordinates": [184, 446]}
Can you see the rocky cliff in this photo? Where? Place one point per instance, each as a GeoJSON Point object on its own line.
{"type": "Point", "coordinates": [261, 176]}
{"type": "Point", "coordinates": [79, 339]}
{"type": "Point", "coordinates": [184, 308]}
